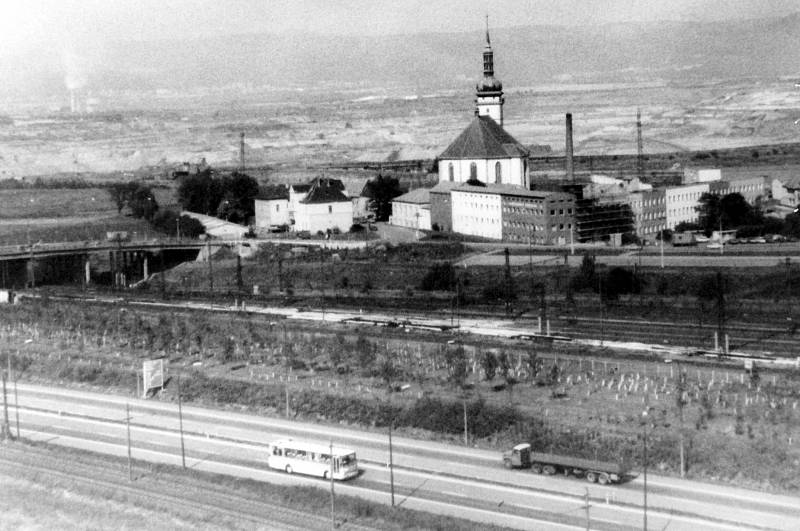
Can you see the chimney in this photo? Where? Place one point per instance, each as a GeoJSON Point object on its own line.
{"type": "Point", "coordinates": [241, 152]}
{"type": "Point", "coordinates": [570, 169]}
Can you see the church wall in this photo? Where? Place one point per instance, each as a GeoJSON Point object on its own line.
{"type": "Point", "coordinates": [511, 170]}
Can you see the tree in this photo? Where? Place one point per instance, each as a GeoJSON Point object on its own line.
{"type": "Point", "coordinates": [441, 277]}
{"type": "Point", "coordinates": [708, 210]}
{"type": "Point", "coordinates": [586, 276]}
{"type": "Point", "coordinates": [143, 203]}
{"type": "Point", "coordinates": [238, 201]}
{"type": "Point", "coordinates": [121, 194]}
{"type": "Point", "coordinates": [489, 365]}
{"type": "Point", "coordinates": [620, 281]}
{"type": "Point", "coordinates": [456, 361]}
{"type": "Point", "coordinates": [200, 193]}
{"type": "Point", "coordinates": [381, 191]}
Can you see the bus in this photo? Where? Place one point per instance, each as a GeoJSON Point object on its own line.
{"type": "Point", "coordinates": [312, 459]}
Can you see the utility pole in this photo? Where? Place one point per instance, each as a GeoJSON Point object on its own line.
{"type": "Point", "coordinates": [180, 422]}
{"type": "Point", "coordinates": [391, 462]}
{"type": "Point", "coordinates": [210, 269]}
{"type": "Point", "coordinates": [6, 430]}
{"type": "Point", "coordinates": [721, 310]}
{"type": "Point", "coordinates": [508, 282]}
{"type": "Point", "coordinates": [587, 506]}
{"type": "Point", "coordinates": [128, 427]}
{"type": "Point", "coordinates": [239, 282]}
{"type": "Point", "coordinates": [644, 448]}
{"type": "Point", "coordinates": [333, 497]}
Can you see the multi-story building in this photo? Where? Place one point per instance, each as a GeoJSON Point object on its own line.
{"type": "Point", "coordinates": [441, 206]}
{"type": "Point", "coordinates": [412, 210]}
{"type": "Point", "coordinates": [272, 208]}
{"type": "Point", "coordinates": [681, 203]}
{"type": "Point", "coordinates": [325, 207]}
{"type": "Point", "coordinates": [510, 213]}
{"type": "Point", "coordinates": [649, 209]}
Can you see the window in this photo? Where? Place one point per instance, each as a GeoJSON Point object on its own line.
{"type": "Point", "coordinates": [330, 209]}
{"type": "Point", "coordinates": [450, 172]}
{"type": "Point", "coordinates": [277, 208]}
{"type": "Point", "coordinates": [498, 172]}
{"type": "Point", "coordinates": [473, 171]}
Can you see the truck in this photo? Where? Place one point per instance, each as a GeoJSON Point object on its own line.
{"type": "Point", "coordinates": [684, 238]}
{"type": "Point", "coordinates": [521, 456]}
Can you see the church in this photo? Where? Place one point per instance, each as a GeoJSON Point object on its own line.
{"type": "Point", "coordinates": [484, 151]}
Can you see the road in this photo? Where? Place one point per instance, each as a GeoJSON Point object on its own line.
{"type": "Point", "coordinates": [444, 479]}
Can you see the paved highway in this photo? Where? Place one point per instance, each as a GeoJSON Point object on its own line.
{"type": "Point", "coordinates": [445, 479]}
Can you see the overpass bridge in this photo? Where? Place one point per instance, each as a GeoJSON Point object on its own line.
{"type": "Point", "coordinates": [119, 263]}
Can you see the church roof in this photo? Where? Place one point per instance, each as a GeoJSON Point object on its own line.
{"type": "Point", "coordinates": [484, 139]}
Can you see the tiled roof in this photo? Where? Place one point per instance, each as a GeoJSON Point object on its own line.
{"type": "Point", "coordinates": [484, 139]}
{"type": "Point", "coordinates": [324, 190]}
{"type": "Point", "coordinates": [269, 193]}
{"type": "Point", "coordinates": [418, 196]}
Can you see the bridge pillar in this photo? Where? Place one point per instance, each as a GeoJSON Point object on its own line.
{"type": "Point", "coordinates": [145, 269]}
{"type": "Point", "coordinates": [87, 270]}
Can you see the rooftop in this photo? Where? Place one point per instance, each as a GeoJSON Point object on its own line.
{"type": "Point", "coordinates": [484, 139]}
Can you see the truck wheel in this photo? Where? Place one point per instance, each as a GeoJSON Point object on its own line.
{"type": "Point", "coordinates": [549, 470]}
{"type": "Point", "coordinates": [591, 477]}
{"type": "Point", "coordinates": [507, 463]}
{"type": "Point", "coordinates": [537, 468]}
{"type": "Point", "coordinates": [604, 479]}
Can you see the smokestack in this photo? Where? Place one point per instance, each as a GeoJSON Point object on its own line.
{"type": "Point", "coordinates": [570, 168]}
{"type": "Point", "coordinates": [241, 152]}
{"type": "Point", "coordinates": [639, 146]}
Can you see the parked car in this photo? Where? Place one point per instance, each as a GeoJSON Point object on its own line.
{"type": "Point", "coordinates": [757, 239]}
{"type": "Point", "coordinates": [714, 245]}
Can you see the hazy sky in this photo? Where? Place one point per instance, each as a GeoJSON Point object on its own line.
{"type": "Point", "coordinates": [26, 24]}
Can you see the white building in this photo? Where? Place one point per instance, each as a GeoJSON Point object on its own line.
{"type": "Point", "coordinates": [324, 207]}
{"type": "Point", "coordinates": [484, 151]}
{"type": "Point", "coordinates": [354, 189]}
{"type": "Point", "coordinates": [682, 202]}
{"type": "Point", "coordinates": [272, 208]}
{"type": "Point", "coordinates": [412, 210]}
{"type": "Point", "coordinates": [477, 212]}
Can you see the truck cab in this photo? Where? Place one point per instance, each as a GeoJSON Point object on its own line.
{"type": "Point", "coordinates": [518, 457]}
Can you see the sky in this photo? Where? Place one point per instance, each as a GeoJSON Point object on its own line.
{"type": "Point", "coordinates": [66, 24]}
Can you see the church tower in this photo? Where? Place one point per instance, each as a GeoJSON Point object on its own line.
{"type": "Point", "coordinates": [489, 91]}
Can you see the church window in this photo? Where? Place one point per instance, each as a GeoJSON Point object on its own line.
{"type": "Point", "coordinates": [473, 171]}
{"type": "Point", "coordinates": [450, 172]}
{"type": "Point", "coordinates": [498, 173]}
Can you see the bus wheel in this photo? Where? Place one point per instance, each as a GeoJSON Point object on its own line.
{"type": "Point", "coordinates": [507, 463]}
{"type": "Point", "coordinates": [288, 469]}
{"type": "Point", "coordinates": [603, 479]}
{"type": "Point", "coordinates": [591, 477]}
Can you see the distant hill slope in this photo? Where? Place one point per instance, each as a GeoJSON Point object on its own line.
{"type": "Point", "coordinates": [528, 55]}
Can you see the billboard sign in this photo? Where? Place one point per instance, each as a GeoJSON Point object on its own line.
{"type": "Point", "coordinates": [152, 375]}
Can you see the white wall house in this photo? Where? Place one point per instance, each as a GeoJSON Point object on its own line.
{"type": "Point", "coordinates": [681, 203]}
{"type": "Point", "coordinates": [477, 214]}
{"type": "Point", "coordinates": [272, 208]}
{"type": "Point", "coordinates": [324, 208]}
{"type": "Point", "coordinates": [412, 210]}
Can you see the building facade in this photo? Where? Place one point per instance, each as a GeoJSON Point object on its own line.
{"type": "Point", "coordinates": [272, 209]}
{"type": "Point", "coordinates": [324, 207]}
{"type": "Point", "coordinates": [412, 210]}
{"type": "Point", "coordinates": [682, 202]}
{"type": "Point", "coordinates": [649, 209]}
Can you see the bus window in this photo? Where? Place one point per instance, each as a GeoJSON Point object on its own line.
{"type": "Point", "coordinates": [277, 451]}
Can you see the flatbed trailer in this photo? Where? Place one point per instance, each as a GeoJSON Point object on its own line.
{"type": "Point", "coordinates": [602, 472]}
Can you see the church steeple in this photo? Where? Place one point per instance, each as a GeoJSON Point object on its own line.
{"type": "Point", "coordinates": [489, 91]}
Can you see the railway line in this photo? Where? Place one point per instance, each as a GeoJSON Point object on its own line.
{"type": "Point", "coordinates": [465, 482]}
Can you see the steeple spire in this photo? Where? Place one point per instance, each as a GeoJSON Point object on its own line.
{"type": "Point", "coordinates": [489, 91]}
